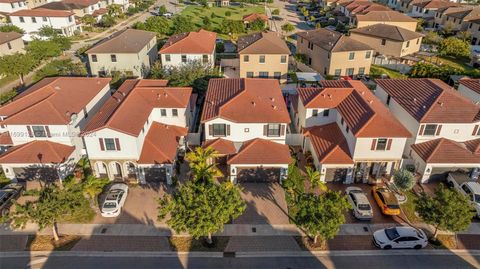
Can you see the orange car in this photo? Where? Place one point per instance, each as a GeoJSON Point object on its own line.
{"type": "Point", "coordinates": [386, 200]}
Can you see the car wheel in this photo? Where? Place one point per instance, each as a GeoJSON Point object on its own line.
{"type": "Point", "coordinates": [417, 247]}
{"type": "Point", "coordinates": [387, 247]}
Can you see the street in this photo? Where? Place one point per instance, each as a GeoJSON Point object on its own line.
{"type": "Point", "coordinates": [361, 259]}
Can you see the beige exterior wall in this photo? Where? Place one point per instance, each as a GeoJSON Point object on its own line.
{"type": "Point", "coordinates": [391, 47]}
{"type": "Point", "coordinates": [412, 26]}
{"type": "Point", "coordinates": [15, 45]}
{"type": "Point", "coordinates": [272, 64]}
{"type": "Point", "coordinates": [474, 29]}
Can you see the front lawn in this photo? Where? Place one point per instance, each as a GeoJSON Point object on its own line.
{"type": "Point", "coordinates": [408, 207]}
{"type": "Point", "coordinates": [377, 71]}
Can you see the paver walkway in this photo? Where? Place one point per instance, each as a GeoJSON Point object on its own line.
{"type": "Point", "coordinates": [122, 243]}
{"type": "Point", "coordinates": [262, 243]}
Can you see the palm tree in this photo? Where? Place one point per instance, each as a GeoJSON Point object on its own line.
{"type": "Point", "coordinates": [201, 165]}
{"type": "Point", "coordinates": [313, 176]}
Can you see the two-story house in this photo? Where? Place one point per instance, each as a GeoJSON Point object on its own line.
{"type": "Point", "coordinates": [41, 127]}
{"type": "Point", "coordinates": [32, 20]}
{"type": "Point", "coordinates": [263, 55]}
{"type": "Point", "coordinates": [334, 54]}
{"type": "Point", "coordinates": [470, 88]}
{"type": "Point", "coordinates": [393, 18]}
{"type": "Point", "coordinates": [189, 47]}
{"type": "Point", "coordinates": [139, 131]}
{"type": "Point", "coordinates": [350, 135]}
{"type": "Point", "coordinates": [352, 8]}
{"type": "Point", "coordinates": [129, 51]}
{"type": "Point", "coordinates": [456, 18]}
{"type": "Point", "coordinates": [427, 9]}
{"type": "Point", "coordinates": [445, 125]}
{"type": "Point", "coordinates": [245, 120]}
{"type": "Point", "coordinates": [9, 6]}
{"type": "Point", "coordinates": [79, 7]}
{"type": "Point", "coordinates": [10, 43]}
{"type": "Point", "coordinates": [389, 40]}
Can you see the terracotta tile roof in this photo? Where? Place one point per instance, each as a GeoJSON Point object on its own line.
{"type": "Point", "coordinates": [473, 145]}
{"type": "Point", "coordinates": [247, 100]}
{"type": "Point", "coordinates": [363, 113]}
{"type": "Point", "coordinates": [62, 6]}
{"type": "Point", "coordinates": [52, 100]}
{"type": "Point", "coordinates": [129, 107]}
{"type": "Point", "coordinates": [160, 144]}
{"type": "Point", "coordinates": [431, 100]}
{"type": "Point", "coordinates": [5, 139]}
{"type": "Point", "coordinates": [254, 16]}
{"type": "Point", "coordinates": [387, 31]}
{"type": "Point", "coordinates": [329, 144]}
{"type": "Point", "coordinates": [38, 151]}
{"type": "Point", "coordinates": [84, 3]}
{"type": "Point", "coordinates": [126, 41]}
{"type": "Point", "coordinates": [193, 42]}
{"type": "Point", "coordinates": [9, 36]}
{"type": "Point", "coordinates": [472, 84]}
{"type": "Point", "coordinates": [262, 43]}
{"type": "Point", "coordinates": [444, 150]}
{"type": "Point", "coordinates": [466, 15]}
{"type": "Point", "coordinates": [222, 146]}
{"type": "Point", "coordinates": [333, 41]}
{"type": "Point", "coordinates": [100, 11]}
{"type": "Point", "coordinates": [261, 151]}
{"type": "Point", "coordinates": [42, 12]}
{"type": "Point", "coordinates": [10, 1]}
{"type": "Point", "coordinates": [382, 16]}
{"type": "Point", "coordinates": [434, 4]}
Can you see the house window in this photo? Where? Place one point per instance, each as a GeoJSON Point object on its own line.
{"type": "Point", "coordinates": [12, 5]}
{"type": "Point", "coordinates": [70, 19]}
{"type": "Point", "coordinates": [205, 58]}
{"type": "Point", "coordinates": [381, 144]}
{"type": "Point", "coordinates": [113, 57]}
{"type": "Point", "coordinates": [368, 54]}
{"type": "Point", "coordinates": [246, 58]}
{"type": "Point", "coordinates": [338, 72]}
{"type": "Point", "coordinates": [408, 44]}
{"type": "Point", "coordinates": [163, 112]}
{"type": "Point", "coordinates": [326, 112]}
{"type": "Point", "coordinates": [283, 59]}
{"type": "Point", "coordinates": [263, 74]}
{"type": "Point", "coordinates": [384, 41]}
{"type": "Point", "coordinates": [184, 58]}
{"type": "Point", "coordinates": [9, 45]}
{"type": "Point", "coordinates": [94, 58]}
{"type": "Point", "coordinates": [273, 130]}
{"type": "Point", "coordinates": [167, 58]}
{"type": "Point", "coordinates": [39, 131]}
{"type": "Point", "coordinates": [249, 74]}
{"type": "Point", "coordinates": [44, 18]}
{"type": "Point", "coordinates": [361, 71]}
{"type": "Point", "coordinates": [262, 59]}
{"type": "Point", "coordinates": [430, 129]}
{"type": "Point", "coordinates": [174, 112]}
{"type": "Point", "coordinates": [314, 112]}
{"type": "Point", "coordinates": [350, 72]}
{"type": "Point", "coordinates": [21, 19]}
{"type": "Point", "coordinates": [351, 55]}
{"type": "Point", "coordinates": [277, 75]}
{"type": "Point", "coordinates": [418, 40]}
{"type": "Point", "coordinates": [388, 99]}
{"type": "Point", "coordinates": [341, 121]}
{"type": "Point", "coordinates": [219, 130]}
{"type": "Point", "coordinates": [110, 144]}
{"type": "Point", "coordinates": [34, 20]}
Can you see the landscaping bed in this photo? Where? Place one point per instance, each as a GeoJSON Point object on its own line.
{"type": "Point", "coordinates": [47, 243]}
{"type": "Point", "coordinates": [186, 243]}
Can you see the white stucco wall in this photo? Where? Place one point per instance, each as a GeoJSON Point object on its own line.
{"type": "Point", "coordinates": [62, 23]}
{"type": "Point", "coordinates": [238, 131]}
{"type": "Point", "coordinates": [12, 7]}
{"type": "Point", "coordinates": [176, 59]}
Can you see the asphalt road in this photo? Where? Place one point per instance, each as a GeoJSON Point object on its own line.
{"type": "Point", "coordinates": [368, 260]}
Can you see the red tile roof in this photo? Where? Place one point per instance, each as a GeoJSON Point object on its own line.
{"type": "Point", "coordinates": [444, 150]}
{"type": "Point", "coordinates": [100, 11]}
{"type": "Point", "coordinates": [254, 16]}
{"type": "Point", "coordinates": [472, 84]}
{"type": "Point", "coordinates": [323, 97]}
{"type": "Point", "coordinates": [42, 12]}
{"type": "Point", "coordinates": [202, 42]}
{"type": "Point", "coordinates": [6, 139]}
{"type": "Point", "coordinates": [160, 144]}
{"type": "Point", "coordinates": [222, 146]}
{"type": "Point", "coordinates": [261, 151]}
{"type": "Point", "coordinates": [129, 107]}
{"type": "Point", "coordinates": [35, 152]}
{"type": "Point", "coordinates": [473, 145]}
{"type": "Point", "coordinates": [431, 100]}
{"type": "Point", "coordinates": [329, 144]}
{"type": "Point", "coordinates": [245, 100]}
{"type": "Point", "coordinates": [53, 100]}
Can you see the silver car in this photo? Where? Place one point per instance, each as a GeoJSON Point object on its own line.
{"type": "Point", "coordinates": [362, 209]}
{"type": "Point", "coordinates": [114, 200]}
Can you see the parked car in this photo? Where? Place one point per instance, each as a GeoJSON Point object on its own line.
{"type": "Point", "coordinates": [9, 193]}
{"type": "Point", "coordinates": [467, 187]}
{"type": "Point", "coordinates": [386, 200]}
{"type": "Point", "coordinates": [167, 15]}
{"type": "Point", "coordinates": [362, 209]}
{"type": "Point", "coordinates": [400, 237]}
{"type": "Point", "coordinates": [114, 200]}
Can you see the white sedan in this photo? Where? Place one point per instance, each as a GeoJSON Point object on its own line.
{"type": "Point", "coordinates": [114, 200]}
{"type": "Point", "coordinates": [400, 237]}
{"type": "Point", "coordinates": [362, 209]}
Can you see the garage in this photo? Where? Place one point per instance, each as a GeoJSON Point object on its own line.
{"type": "Point", "coordinates": [154, 175]}
{"type": "Point", "coordinates": [40, 173]}
{"type": "Point", "coordinates": [258, 175]}
{"type": "Point", "coordinates": [335, 174]}
{"type": "Point", "coordinates": [441, 173]}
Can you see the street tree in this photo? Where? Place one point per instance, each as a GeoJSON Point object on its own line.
{"type": "Point", "coordinates": [453, 46]}
{"type": "Point", "coordinates": [182, 24]}
{"type": "Point", "coordinates": [288, 27]}
{"type": "Point", "coordinates": [313, 177]}
{"type": "Point", "coordinates": [201, 164]}
{"type": "Point", "coordinates": [202, 209]}
{"type": "Point", "coordinates": [294, 183]}
{"type": "Point", "coordinates": [432, 38]}
{"type": "Point", "coordinates": [11, 28]}
{"type": "Point", "coordinates": [89, 20]}
{"type": "Point", "coordinates": [230, 27]}
{"type": "Point", "coordinates": [404, 179]}
{"type": "Point", "coordinates": [162, 9]}
{"type": "Point", "coordinates": [93, 186]}
{"type": "Point", "coordinates": [107, 21]}
{"type": "Point", "coordinates": [17, 64]}
{"type": "Point", "coordinates": [47, 31]}
{"type": "Point", "coordinates": [43, 49]}
{"type": "Point", "coordinates": [448, 210]}
{"type": "Point", "coordinates": [157, 24]}
{"type": "Point", "coordinates": [114, 10]}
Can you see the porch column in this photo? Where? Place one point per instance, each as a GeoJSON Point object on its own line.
{"type": "Point", "coordinates": [141, 175]}
{"type": "Point", "coordinates": [349, 176]}
{"type": "Point", "coordinates": [169, 171]}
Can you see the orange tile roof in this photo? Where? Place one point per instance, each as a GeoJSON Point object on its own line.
{"type": "Point", "coordinates": [222, 146]}
{"type": "Point", "coordinates": [261, 151]}
{"type": "Point", "coordinates": [42, 12]}
{"type": "Point", "coordinates": [129, 107]}
{"type": "Point", "coordinates": [444, 150]}
{"type": "Point", "coordinates": [52, 100]}
{"type": "Point", "coordinates": [329, 144]}
{"type": "Point", "coordinates": [99, 12]}
{"type": "Point", "coordinates": [431, 100]}
{"type": "Point", "coordinates": [323, 97]}
{"type": "Point", "coordinates": [160, 144]}
{"type": "Point", "coordinates": [254, 16]}
{"type": "Point", "coordinates": [5, 139]}
{"type": "Point", "coordinates": [193, 42]}
{"type": "Point", "coordinates": [247, 100]}
{"type": "Point", "coordinates": [38, 151]}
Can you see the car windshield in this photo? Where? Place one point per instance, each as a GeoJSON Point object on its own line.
{"type": "Point", "coordinates": [393, 206]}
{"type": "Point", "coordinates": [391, 233]}
{"type": "Point", "coordinates": [477, 198]}
{"type": "Point", "coordinates": [113, 195]}
{"type": "Point", "coordinates": [109, 205]}
{"type": "Point", "coordinates": [364, 207]}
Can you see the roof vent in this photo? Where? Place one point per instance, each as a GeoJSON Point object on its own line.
{"type": "Point", "coordinates": [272, 99]}
{"type": "Point", "coordinates": [414, 99]}
{"type": "Point", "coordinates": [122, 93]}
{"type": "Point", "coordinates": [363, 92]}
{"type": "Point", "coordinates": [370, 101]}
{"type": "Point", "coordinates": [253, 103]}
{"type": "Point", "coordinates": [274, 107]}
{"type": "Point", "coordinates": [440, 103]}
{"type": "Point", "coordinates": [57, 88]}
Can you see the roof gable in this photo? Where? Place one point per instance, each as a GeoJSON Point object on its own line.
{"type": "Point", "coordinates": [261, 151]}
{"type": "Point", "coordinates": [444, 150]}
{"type": "Point", "coordinates": [193, 42]}
{"type": "Point", "coordinates": [329, 143]}
{"type": "Point", "coordinates": [262, 43]}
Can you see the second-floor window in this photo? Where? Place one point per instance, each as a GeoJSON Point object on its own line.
{"type": "Point", "coordinates": [163, 112]}
{"type": "Point", "coordinates": [113, 57]}
{"type": "Point", "coordinates": [314, 113]}
{"type": "Point", "coordinates": [39, 131]}
{"type": "Point", "coordinates": [326, 112]}
{"type": "Point", "coordinates": [262, 59]}
{"type": "Point", "coordinates": [174, 112]}
{"type": "Point", "coordinates": [9, 45]}
{"type": "Point", "coordinates": [246, 58]}
{"type": "Point", "coordinates": [381, 144]}
{"type": "Point", "coordinates": [283, 59]}
{"type": "Point", "coordinates": [94, 58]}
{"type": "Point", "coordinates": [249, 74]}
{"type": "Point", "coordinates": [167, 58]}
{"type": "Point", "coordinates": [110, 144]}
{"type": "Point", "coordinates": [408, 44]}
{"type": "Point", "coordinates": [34, 20]}
{"type": "Point", "coordinates": [273, 130]}
{"type": "Point", "coordinates": [368, 54]}
{"type": "Point", "coordinates": [384, 41]}
{"type": "Point", "coordinates": [44, 18]}
{"type": "Point", "coordinates": [430, 130]}
{"type": "Point", "coordinates": [219, 130]}
{"type": "Point", "coordinates": [351, 55]}
{"type": "Point", "coordinates": [205, 58]}
{"type": "Point", "coordinates": [21, 19]}
{"type": "Point", "coordinates": [184, 58]}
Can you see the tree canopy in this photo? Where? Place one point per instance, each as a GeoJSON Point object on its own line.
{"type": "Point", "coordinates": [17, 64]}
{"type": "Point", "coordinates": [11, 28]}
{"type": "Point", "coordinates": [257, 25]}
{"type": "Point", "coordinates": [288, 27]}
{"type": "Point", "coordinates": [231, 27]}
{"type": "Point", "coordinates": [454, 47]}
{"type": "Point", "coordinates": [182, 24]}
{"type": "Point", "coordinates": [404, 179]}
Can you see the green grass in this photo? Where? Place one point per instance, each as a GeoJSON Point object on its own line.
{"type": "Point", "coordinates": [7, 79]}
{"type": "Point", "coordinates": [454, 62]}
{"type": "Point", "coordinates": [408, 207]}
{"type": "Point", "coordinates": [377, 71]}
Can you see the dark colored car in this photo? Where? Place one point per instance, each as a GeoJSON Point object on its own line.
{"type": "Point", "coordinates": [7, 194]}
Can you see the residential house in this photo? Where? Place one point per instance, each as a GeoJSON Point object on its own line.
{"type": "Point", "coordinates": [9, 6]}
{"type": "Point", "coordinates": [41, 126]}
{"type": "Point", "coordinates": [350, 135]}
{"type": "Point", "coordinates": [352, 8]}
{"type": "Point", "coordinates": [189, 47]}
{"type": "Point", "coordinates": [79, 7]}
{"type": "Point", "coordinates": [249, 18]}
{"type": "Point", "coordinates": [427, 9]}
{"type": "Point", "coordinates": [10, 43]}
{"type": "Point", "coordinates": [124, 4]}
{"type": "Point", "coordinates": [218, 3]}
{"type": "Point", "coordinates": [263, 55]}
{"type": "Point", "coordinates": [245, 120]}
{"type": "Point", "coordinates": [445, 125]}
{"type": "Point", "coordinates": [470, 88]}
{"type": "Point", "coordinates": [129, 51]}
{"type": "Point", "coordinates": [394, 18]}
{"type": "Point", "coordinates": [139, 131]}
{"type": "Point", "coordinates": [331, 53]}
{"type": "Point", "coordinates": [32, 20]}
{"type": "Point", "coordinates": [389, 40]}
{"type": "Point", "coordinates": [456, 18]}
{"type": "Point", "coordinates": [474, 29]}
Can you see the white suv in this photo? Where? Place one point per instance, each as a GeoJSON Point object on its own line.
{"type": "Point", "coordinates": [362, 209]}
{"type": "Point", "coordinates": [400, 237]}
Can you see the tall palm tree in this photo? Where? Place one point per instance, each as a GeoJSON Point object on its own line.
{"type": "Point", "coordinates": [201, 164]}
{"type": "Point", "coordinates": [313, 176]}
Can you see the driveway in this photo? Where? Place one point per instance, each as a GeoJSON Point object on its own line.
{"type": "Point", "coordinates": [265, 204]}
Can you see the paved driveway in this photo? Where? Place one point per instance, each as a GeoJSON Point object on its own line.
{"type": "Point", "coordinates": [265, 204]}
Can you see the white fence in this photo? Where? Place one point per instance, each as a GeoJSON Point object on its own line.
{"type": "Point", "coordinates": [294, 139]}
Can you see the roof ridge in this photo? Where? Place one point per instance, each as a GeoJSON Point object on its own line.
{"type": "Point", "coordinates": [430, 81]}
{"type": "Point", "coordinates": [242, 91]}
{"type": "Point", "coordinates": [437, 146]}
{"type": "Point", "coordinates": [242, 149]}
{"type": "Point", "coordinates": [52, 149]}
{"type": "Point", "coordinates": [109, 118]}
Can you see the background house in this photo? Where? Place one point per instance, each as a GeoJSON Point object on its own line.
{"type": "Point", "coordinates": [394, 18]}
{"type": "Point", "coordinates": [470, 88]}
{"type": "Point", "coordinates": [9, 6]}
{"type": "Point", "coordinates": [10, 43]}
{"type": "Point", "coordinates": [79, 7]}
